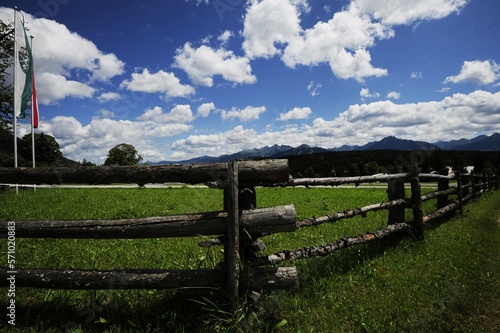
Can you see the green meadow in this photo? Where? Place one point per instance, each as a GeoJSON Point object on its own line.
{"type": "Point", "coordinates": [447, 283]}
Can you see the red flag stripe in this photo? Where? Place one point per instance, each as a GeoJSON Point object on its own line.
{"type": "Point", "coordinates": [35, 102]}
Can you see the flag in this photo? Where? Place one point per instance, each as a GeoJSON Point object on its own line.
{"type": "Point", "coordinates": [34, 102]}
{"type": "Point", "coordinates": [23, 69]}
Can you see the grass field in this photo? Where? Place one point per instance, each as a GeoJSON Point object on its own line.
{"type": "Point", "coordinates": [449, 283]}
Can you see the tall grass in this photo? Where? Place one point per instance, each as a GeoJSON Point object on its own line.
{"type": "Point", "coordinates": [449, 283]}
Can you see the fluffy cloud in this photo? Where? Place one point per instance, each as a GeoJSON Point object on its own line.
{"type": "Point", "coordinates": [109, 96]}
{"type": "Point", "coordinates": [479, 72]}
{"type": "Point", "coordinates": [205, 108]}
{"type": "Point", "coordinates": [225, 36]}
{"type": "Point", "coordinates": [273, 28]}
{"type": "Point", "coordinates": [393, 95]}
{"type": "Point", "coordinates": [295, 113]}
{"type": "Point", "coordinates": [203, 63]}
{"type": "Point", "coordinates": [54, 87]}
{"type": "Point", "coordinates": [93, 141]}
{"type": "Point", "coordinates": [65, 61]}
{"type": "Point", "coordinates": [341, 42]}
{"type": "Point", "coordinates": [456, 116]}
{"type": "Point", "coordinates": [365, 93]}
{"type": "Point", "coordinates": [459, 115]}
{"type": "Point", "coordinates": [267, 23]}
{"type": "Point", "coordinates": [395, 12]}
{"type": "Point", "coordinates": [179, 114]}
{"type": "Point", "coordinates": [161, 81]}
{"type": "Point", "coordinates": [247, 114]}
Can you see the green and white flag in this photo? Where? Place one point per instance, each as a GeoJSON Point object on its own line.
{"type": "Point", "coordinates": [23, 69]}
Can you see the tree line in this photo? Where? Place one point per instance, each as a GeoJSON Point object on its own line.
{"type": "Point", "coordinates": [369, 162]}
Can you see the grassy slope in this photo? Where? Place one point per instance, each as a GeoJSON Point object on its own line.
{"type": "Point", "coordinates": [449, 283]}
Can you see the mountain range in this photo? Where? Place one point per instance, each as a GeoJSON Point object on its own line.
{"type": "Point", "coordinates": [480, 143]}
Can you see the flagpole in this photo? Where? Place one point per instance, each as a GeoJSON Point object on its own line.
{"type": "Point", "coordinates": [15, 106]}
{"type": "Point", "coordinates": [33, 118]}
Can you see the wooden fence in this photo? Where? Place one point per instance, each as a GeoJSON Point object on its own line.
{"type": "Point", "coordinates": [239, 225]}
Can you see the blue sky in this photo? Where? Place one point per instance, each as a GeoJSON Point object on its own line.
{"type": "Point", "coordinates": [186, 78]}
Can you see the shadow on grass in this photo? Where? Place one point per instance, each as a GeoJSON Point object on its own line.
{"type": "Point", "coordinates": [191, 310]}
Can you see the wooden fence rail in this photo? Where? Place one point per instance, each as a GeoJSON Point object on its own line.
{"type": "Point", "coordinates": [237, 227]}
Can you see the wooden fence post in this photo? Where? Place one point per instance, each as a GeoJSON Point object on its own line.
{"type": "Point", "coordinates": [475, 183]}
{"type": "Point", "coordinates": [460, 193]}
{"type": "Point", "coordinates": [442, 200]}
{"type": "Point", "coordinates": [232, 244]}
{"type": "Point", "coordinates": [465, 187]}
{"type": "Point", "coordinates": [396, 190]}
{"type": "Point", "coordinates": [418, 215]}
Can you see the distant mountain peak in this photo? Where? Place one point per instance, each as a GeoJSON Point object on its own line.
{"type": "Point", "coordinates": [480, 143]}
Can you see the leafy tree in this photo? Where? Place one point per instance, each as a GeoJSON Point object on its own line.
{"type": "Point", "coordinates": [46, 149]}
{"type": "Point", "coordinates": [87, 163]}
{"type": "Point", "coordinates": [459, 162]}
{"type": "Point", "coordinates": [370, 168]}
{"type": "Point", "coordinates": [6, 82]}
{"type": "Point", "coordinates": [123, 154]}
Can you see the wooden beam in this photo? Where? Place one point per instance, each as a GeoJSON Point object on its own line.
{"type": "Point", "coordinates": [323, 250]}
{"type": "Point", "coordinates": [262, 220]}
{"type": "Point", "coordinates": [259, 278]}
{"type": "Point", "coordinates": [253, 172]}
{"type": "Point", "coordinates": [313, 221]}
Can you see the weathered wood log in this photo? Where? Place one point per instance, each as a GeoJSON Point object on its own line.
{"type": "Point", "coordinates": [434, 176]}
{"type": "Point", "coordinates": [395, 191]}
{"type": "Point", "coordinates": [232, 244]}
{"type": "Point", "coordinates": [262, 220]}
{"type": "Point", "coordinates": [313, 221]}
{"type": "Point", "coordinates": [259, 278]}
{"type": "Point", "coordinates": [334, 181]}
{"type": "Point", "coordinates": [441, 212]}
{"type": "Point", "coordinates": [273, 278]}
{"type": "Point", "coordinates": [253, 172]}
{"type": "Point", "coordinates": [114, 279]}
{"type": "Point", "coordinates": [323, 250]}
{"type": "Point", "coordinates": [418, 215]}
{"type": "Point", "coordinates": [438, 194]}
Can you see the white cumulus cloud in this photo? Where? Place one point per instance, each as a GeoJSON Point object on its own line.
{"type": "Point", "coordinates": [393, 95]}
{"type": "Point", "coordinates": [296, 113]}
{"type": "Point", "coordinates": [479, 72]}
{"type": "Point", "coordinates": [54, 87]}
{"type": "Point", "coordinates": [247, 114]}
{"type": "Point", "coordinates": [205, 108]}
{"type": "Point", "coordinates": [65, 62]}
{"type": "Point", "coordinates": [179, 114]}
{"type": "Point", "coordinates": [203, 63]}
{"type": "Point", "coordinates": [365, 93]}
{"type": "Point", "coordinates": [159, 82]}
{"type": "Point", "coordinates": [395, 12]}
{"type": "Point", "coordinates": [273, 28]}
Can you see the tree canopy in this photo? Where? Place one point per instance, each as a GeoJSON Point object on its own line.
{"type": "Point", "coordinates": [6, 83]}
{"type": "Point", "coordinates": [123, 154]}
{"type": "Point", "coordinates": [46, 149]}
